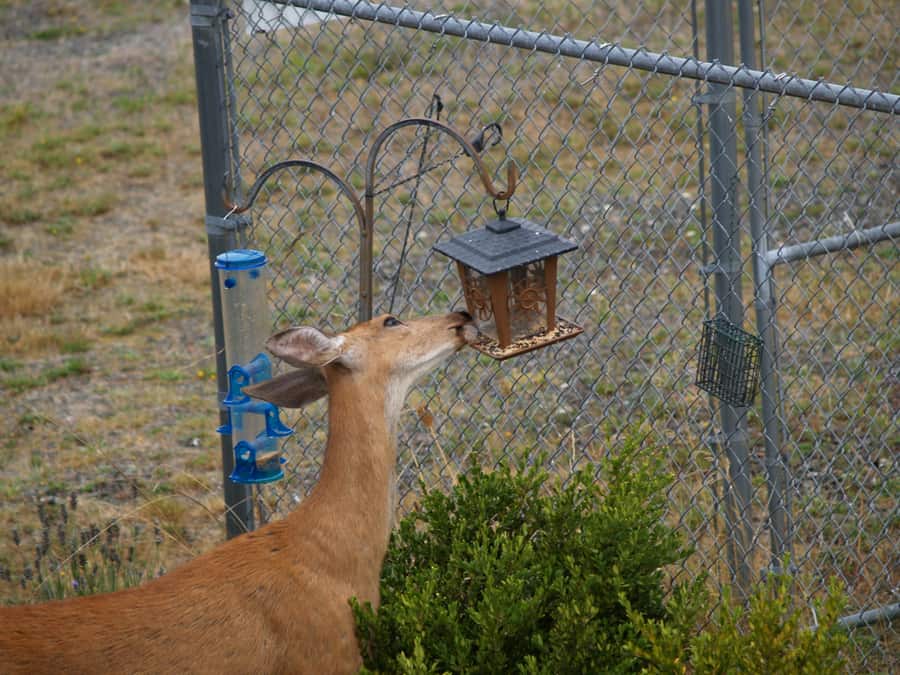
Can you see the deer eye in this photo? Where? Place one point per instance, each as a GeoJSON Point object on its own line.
{"type": "Point", "coordinates": [391, 321]}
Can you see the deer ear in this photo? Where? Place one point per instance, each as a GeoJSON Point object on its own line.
{"type": "Point", "coordinates": [305, 347]}
{"type": "Point", "coordinates": [291, 390]}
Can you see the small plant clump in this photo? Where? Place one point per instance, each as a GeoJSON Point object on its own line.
{"type": "Point", "coordinates": [770, 635]}
{"type": "Point", "coordinates": [72, 559]}
{"type": "Point", "coordinates": [517, 572]}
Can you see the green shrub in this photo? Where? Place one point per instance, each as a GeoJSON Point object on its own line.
{"type": "Point", "coordinates": [518, 572]}
{"type": "Point", "coordinates": [772, 635]}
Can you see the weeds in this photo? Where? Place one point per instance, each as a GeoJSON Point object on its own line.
{"type": "Point", "coordinates": [19, 215]}
{"type": "Point", "coordinates": [58, 32]}
{"type": "Point", "coordinates": [70, 558]}
{"type": "Point", "coordinates": [89, 206]}
{"type": "Point", "coordinates": [29, 289]}
{"type": "Point", "coordinates": [93, 278]}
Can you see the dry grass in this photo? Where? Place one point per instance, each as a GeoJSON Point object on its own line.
{"type": "Point", "coordinates": [29, 290]}
{"type": "Point", "coordinates": [160, 265]}
{"type": "Point", "coordinates": [104, 318]}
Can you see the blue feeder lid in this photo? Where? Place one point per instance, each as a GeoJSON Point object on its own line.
{"type": "Point", "coordinates": [240, 259]}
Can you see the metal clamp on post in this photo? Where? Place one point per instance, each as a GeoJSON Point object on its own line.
{"type": "Point", "coordinates": [219, 225]}
{"type": "Point", "coordinates": [778, 570]}
{"type": "Point", "coordinates": [721, 95]}
{"type": "Point", "coordinates": [206, 16]}
{"type": "Point", "coordinates": [753, 121]}
{"type": "Point", "coordinates": [717, 267]}
{"type": "Point", "coordinates": [712, 97]}
{"type": "Point", "coordinates": [719, 439]}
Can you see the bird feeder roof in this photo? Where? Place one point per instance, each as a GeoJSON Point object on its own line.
{"type": "Point", "coordinates": [503, 244]}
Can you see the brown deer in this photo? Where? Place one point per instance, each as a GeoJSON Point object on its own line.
{"type": "Point", "coordinates": [274, 600]}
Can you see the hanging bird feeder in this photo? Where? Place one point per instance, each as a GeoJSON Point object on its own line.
{"type": "Point", "coordinates": [508, 274]}
{"type": "Point", "coordinates": [254, 426]}
{"type": "Point", "coordinates": [728, 362]}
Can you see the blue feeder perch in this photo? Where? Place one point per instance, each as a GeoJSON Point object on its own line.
{"type": "Point", "coordinates": [254, 426]}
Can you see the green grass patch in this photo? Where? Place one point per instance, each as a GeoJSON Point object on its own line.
{"type": "Point", "coordinates": [164, 375]}
{"type": "Point", "coordinates": [61, 227]}
{"type": "Point", "coordinates": [86, 132]}
{"type": "Point", "coordinates": [15, 116]}
{"type": "Point", "coordinates": [131, 104]}
{"type": "Point", "coordinates": [61, 182]}
{"type": "Point", "coordinates": [92, 278]}
{"type": "Point", "coordinates": [177, 97]}
{"type": "Point", "coordinates": [69, 368]}
{"type": "Point", "coordinates": [56, 153]}
{"type": "Point", "coordinates": [152, 312]}
{"type": "Point", "coordinates": [142, 170]}
{"type": "Point", "coordinates": [58, 32]}
{"type": "Point", "coordinates": [20, 215]}
{"type": "Point", "coordinates": [90, 206]}
{"type": "Point", "coordinates": [128, 150]}
{"type": "Point", "coordinates": [75, 345]}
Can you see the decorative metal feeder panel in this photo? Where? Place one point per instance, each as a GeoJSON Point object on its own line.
{"type": "Point", "coordinates": [508, 274]}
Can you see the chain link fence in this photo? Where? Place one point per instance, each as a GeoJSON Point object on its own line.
{"type": "Point", "coordinates": [693, 191]}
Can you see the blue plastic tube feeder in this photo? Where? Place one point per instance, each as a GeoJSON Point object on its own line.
{"type": "Point", "coordinates": [255, 427]}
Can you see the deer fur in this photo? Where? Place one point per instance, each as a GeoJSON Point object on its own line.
{"type": "Point", "coordinates": [274, 600]}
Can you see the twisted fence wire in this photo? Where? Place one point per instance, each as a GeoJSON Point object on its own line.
{"type": "Point", "coordinates": [610, 157]}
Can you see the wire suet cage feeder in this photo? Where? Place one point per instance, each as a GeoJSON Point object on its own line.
{"type": "Point", "coordinates": [728, 362]}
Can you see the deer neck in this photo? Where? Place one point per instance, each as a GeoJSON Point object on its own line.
{"type": "Point", "coordinates": [362, 447]}
{"type": "Point", "coordinates": [355, 495]}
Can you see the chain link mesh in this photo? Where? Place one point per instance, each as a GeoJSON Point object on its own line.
{"type": "Point", "coordinates": [609, 157]}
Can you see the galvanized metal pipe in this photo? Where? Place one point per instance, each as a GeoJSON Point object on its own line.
{"type": "Point", "coordinates": [727, 284]}
{"type": "Point", "coordinates": [840, 242]}
{"type": "Point", "coordinates": [870, 616]}
{"type": "Point", "coordinates": [714, 71]}
{"type": "Point", "coordinates": [773, 429]}
{"type": "Point", "coordinates": [208, 29]}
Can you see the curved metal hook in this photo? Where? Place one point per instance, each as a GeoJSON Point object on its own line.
{"type": "Point", "coordinates": [511, 172]}
{"type": "Point", "coordinates": [365, 224]}
{"type": "Point", "coordinates": [479, 143]}
{"type": "Point", "coordinates": [305, 164]}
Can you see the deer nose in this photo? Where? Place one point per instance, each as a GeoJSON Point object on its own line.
{"type": "Point", "coordinates": [465, 315]}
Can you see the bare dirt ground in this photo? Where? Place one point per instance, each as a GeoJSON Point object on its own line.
{"type": "Point", "coordinates": [105, 324]}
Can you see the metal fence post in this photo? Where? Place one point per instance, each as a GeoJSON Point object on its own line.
{"type": "Point", "coordinates": [208, 29]}
{"type": "Point", "coordinates": [726, 270]}
{"type": "Point", "coordinates": [773, 432]}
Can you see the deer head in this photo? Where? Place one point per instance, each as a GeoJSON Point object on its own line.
{"type": "Point", "coordinates": [384, 354]}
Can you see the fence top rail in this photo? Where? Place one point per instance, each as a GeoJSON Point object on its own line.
{"type": "Point", "coordinates": [782, 84]}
